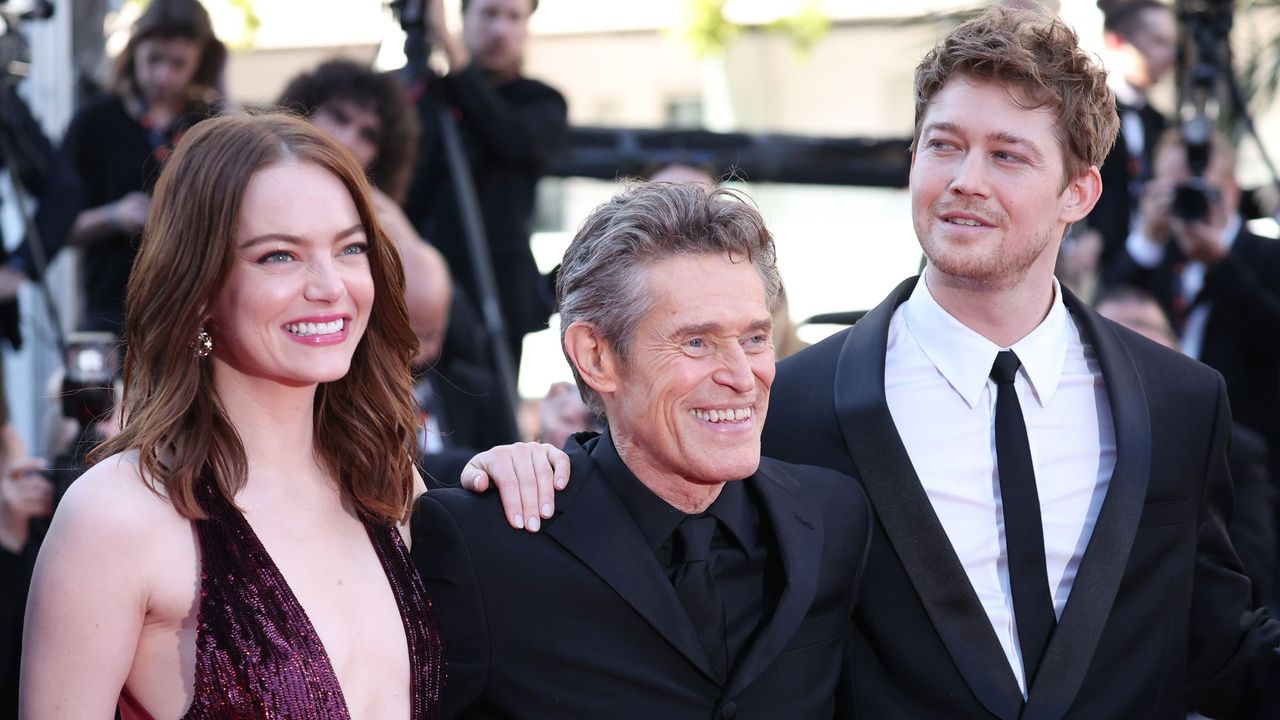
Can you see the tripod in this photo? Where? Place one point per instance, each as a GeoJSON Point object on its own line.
{"type": "Point", "coordinates": [417, 49]}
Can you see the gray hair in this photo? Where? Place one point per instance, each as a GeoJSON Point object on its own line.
{"type": "Point", "coordinates": [602, 279]}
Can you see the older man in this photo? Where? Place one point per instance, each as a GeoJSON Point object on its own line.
{"type": "Point", "coordinates": [681, 576]}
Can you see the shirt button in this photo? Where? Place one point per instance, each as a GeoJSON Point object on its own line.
{"type": "Point", "coordinates": [729, 711]}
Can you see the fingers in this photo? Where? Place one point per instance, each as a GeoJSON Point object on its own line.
{"type": "Point", "coordinates": [525, 464]}
{"type": "Point", "coordinates": [473, 477]}
{"type": "Point", "coordinates": [526, 476]}
{"type": "Point", "coordinates": [544, 479]}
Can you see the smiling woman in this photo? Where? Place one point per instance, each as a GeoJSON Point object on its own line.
{"type": "Point", "coordinates": [257, 486]}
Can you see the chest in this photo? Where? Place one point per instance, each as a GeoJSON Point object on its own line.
{"type": "Point", "coordinates": [324, 596]}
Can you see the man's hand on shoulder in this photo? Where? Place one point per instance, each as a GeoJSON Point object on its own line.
{"type": "Point", "coordinates": [526, 476]}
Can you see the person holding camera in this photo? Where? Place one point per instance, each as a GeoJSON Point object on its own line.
{"type": "Point", "coordinates": [510, 126]}
{"type": "Point", "coordinates": [1218, 283]}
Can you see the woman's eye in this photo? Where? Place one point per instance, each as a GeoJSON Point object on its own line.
{"type": "Point", "coordinates": [359, 248]}
{"type": "Point", "coordinates": [277, 256]}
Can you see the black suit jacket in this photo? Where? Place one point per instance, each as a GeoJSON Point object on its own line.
{"type": "Point", "coordinates": [1159, 611]}
{"type": "Point", "coordinates": [579, 621]}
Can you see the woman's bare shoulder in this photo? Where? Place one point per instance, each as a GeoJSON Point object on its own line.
{"type": "Point", "coordinates": [116, 497]}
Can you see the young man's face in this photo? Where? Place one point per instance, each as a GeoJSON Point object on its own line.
{"type": "Point", "coordinates": [495, 32]}
{"type": "Point", "coordinates": [987, 195]}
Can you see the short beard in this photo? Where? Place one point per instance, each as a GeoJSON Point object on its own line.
{"type": "Point", "coordinates": [981, 269]}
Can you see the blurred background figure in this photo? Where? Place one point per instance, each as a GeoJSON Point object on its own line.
{"type": "Point", "coordinates": [682, 172]}
{"type": "Point", "coordinates": [461, 410]}
{"type": "Point", "coordinates": [26, 502]}
{"type": "Point", "coordinates": [562, 413]}
{"type": "Point", "coordinates": [1217, 282]}
{"type": "Point", "coordinates": [1253, 526]}
{"type": "Point", "coordinates": [32, 157]}
{"type": "Point", "coordinates": [163, 82]}
{"type": "Point", "coordinates": [511, 126]}
{"type": "Point", "coordinates": [367, 112]}
{"type": "Point", "coordinates": [1139, 46]}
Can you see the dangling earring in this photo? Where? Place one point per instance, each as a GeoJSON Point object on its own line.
{"type": "Point", "coordinates": [202, 345]}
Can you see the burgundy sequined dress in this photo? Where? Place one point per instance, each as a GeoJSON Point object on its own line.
{"type": "Point", "coordinates": [257, 654]}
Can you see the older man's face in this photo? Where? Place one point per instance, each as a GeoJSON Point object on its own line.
{"type": "Point", "coordinates": [694, 389]}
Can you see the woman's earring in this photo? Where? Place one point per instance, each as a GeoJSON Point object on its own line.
{"type": "Point", "coordinates": [202, 345]}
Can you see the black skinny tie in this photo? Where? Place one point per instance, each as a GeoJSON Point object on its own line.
{"type": "Point", "coordinates": [1024, 535]}
{"type": "Point", "coordinates": [697, 589]}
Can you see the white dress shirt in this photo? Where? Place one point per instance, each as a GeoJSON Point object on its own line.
{"type": "Point", "coordinates": [943, 403]}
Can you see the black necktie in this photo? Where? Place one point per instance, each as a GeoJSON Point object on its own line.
{"type": "Point", "coordinates": [697, 589]}
{"type": "Point", "coordinates": [1023, 533]}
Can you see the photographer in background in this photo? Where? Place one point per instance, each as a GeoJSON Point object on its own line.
{"type": "Point", "coordinates": [510, 127]}
{"type": "Point", "coordinates": [1218, 283]}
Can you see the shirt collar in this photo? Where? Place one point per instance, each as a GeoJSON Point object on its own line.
{"type": "Point", "coordinates": [654, 517]}
{"type": "Point", "coordinates": [964, 357]}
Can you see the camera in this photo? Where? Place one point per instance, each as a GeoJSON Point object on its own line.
{"type": "Point", "coordinates": [92, 367]}
{"type": "Point", "coordinates": [1193, 199]}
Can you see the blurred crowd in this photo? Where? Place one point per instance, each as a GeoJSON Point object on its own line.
{"type": "Point", "coordinates": [1167, 252]}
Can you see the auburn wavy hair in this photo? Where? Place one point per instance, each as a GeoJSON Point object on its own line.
{"type": "Point", "coordinates": [172, 416]}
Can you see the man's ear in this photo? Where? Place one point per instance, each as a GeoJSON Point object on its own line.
{"type": "Point", "coordinates": [593, 357]}
{"type": "Point", "coordinates": [1080, 195]}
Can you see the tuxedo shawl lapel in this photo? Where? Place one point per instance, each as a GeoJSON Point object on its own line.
{"type": "Point", "coordinates": [908, 517]}
{"type": "Point", "coordinates": [1094, 590]}
{"type": "Point", "coordinates": [593, 525]}
{"type": "Point", "coordinates": [799, 533]}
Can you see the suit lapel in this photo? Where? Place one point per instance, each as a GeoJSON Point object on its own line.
{"type": "Point", "coordinates": [592, 524]}
{"type": "Point", "coordinates": [1101, 569]}
{"type": "Point", "coordinates": [908, 518]}
{"type": "Point", "coordinates": [798, 530]}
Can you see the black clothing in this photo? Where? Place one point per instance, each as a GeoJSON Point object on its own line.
{"type": "Point", "coordinates": [15, 581]}
{"type": "Point", "coordinates": [26, 139]}
{"type": "Point", "coordinates": [744, 552]}
{"type": "Point", "coordinates": [471, 415]}
{"type": "Point", "coordinates": [1257, 514]}
{"type": "Point", "coordinates": [1020, 509]}
{"type": "Point", "coordinates": [509, 133]}
{"type": "Point", "coordinates": [580, 621]}
{"type": "Point", "coordinates": [1242, 336]}
{"type": "Point", "coordinates": [105, 155]}
{"type": "Point", "coordinates": [1122, 179]}
{"type": "Point", "coordinates": [1159, 616]}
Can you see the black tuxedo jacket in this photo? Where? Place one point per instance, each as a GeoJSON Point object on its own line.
{"type": "Point", "coordinates": [1159, 612]}
{"type": "Point", "coordinates": [580, 621]}
{"type": "Point", "coordinates": [1242, 337]}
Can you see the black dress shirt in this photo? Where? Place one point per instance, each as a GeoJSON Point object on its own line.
{"type": "Point", "coordinates": [744, 550]}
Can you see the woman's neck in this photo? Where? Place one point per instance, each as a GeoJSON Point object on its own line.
{"type": "Point", "coordinates": [275, 424]}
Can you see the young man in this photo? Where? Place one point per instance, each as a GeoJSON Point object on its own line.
{"type": "Point", "coordinates": [1051, 491]}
